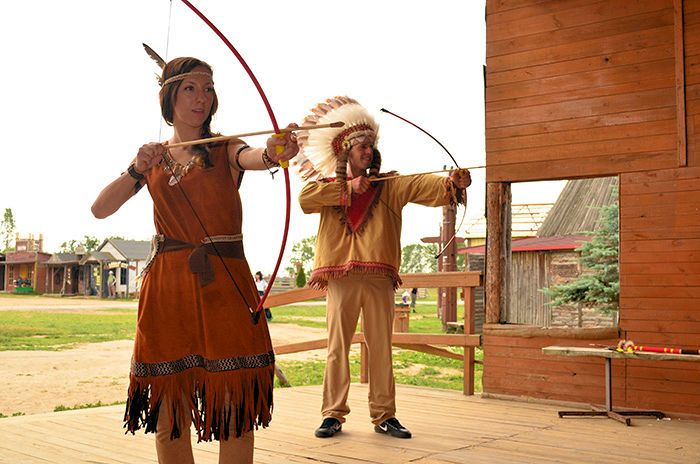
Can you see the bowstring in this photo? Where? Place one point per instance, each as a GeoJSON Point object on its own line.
{"type": "Point", "coordinates": [169, 160]}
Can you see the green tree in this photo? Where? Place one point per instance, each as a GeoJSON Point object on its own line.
{"type": "Point", "coordinates": [7, 230]}
{"type": "Point", "coordinates": [303, 254]}
{"type": "Point", "coordinates": [418, 258]}
{"type": "Point", "coordinates": [88, 242]}
{"type": "Point", "coordinates": [301, 278]}
{"type": "Point", "coordinates": [599, 285]}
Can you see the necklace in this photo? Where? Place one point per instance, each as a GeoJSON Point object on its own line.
{"type": "Point", "coordinates": [177, 169]}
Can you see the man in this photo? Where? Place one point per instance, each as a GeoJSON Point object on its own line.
{"type": "Point", "coordinates": [112, 285]}
{"type": "Point", "coordinates": [358, 250]}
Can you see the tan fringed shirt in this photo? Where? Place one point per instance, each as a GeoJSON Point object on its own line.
{"type": "Point", "coordinates": [364, 235]}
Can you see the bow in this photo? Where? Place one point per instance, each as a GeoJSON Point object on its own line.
{"type": "Point", "coordinates": [444, 248]}
{"type": "Point", "coordinates": [284, 165]}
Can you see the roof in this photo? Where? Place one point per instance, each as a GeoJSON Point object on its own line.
{"type": "Point", "coordinates": [97, 257]}
{"type": "Point", "coordinates": [132, 250]}
{"type": "Point", "coordinates": [526, 221]}
{"type": "Point", "coordinates": [25, 257]}
{"type": "Point", "coordinates": [566, 242]}
{"type": "Point", "coordinates": [63, 258]}
{"type": "Point", "coordinates": [577, 210]}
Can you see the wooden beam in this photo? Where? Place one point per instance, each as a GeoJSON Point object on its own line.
{"type": "Point", "coordinates": [429, 349]}
{"type": "Point", "coordinates": [468, 357]}
{"type": "Point", "coordinates": [301, 346]}
{"type": "Point", "coordinates": [528, 331]}
{"type": "Point", "coordinates": [422, 280]}
{"type": "Point", "coordinates": [498, 236]}
{"type": "Point", "coordinates": [293, 296]}
{"type": "Point", "coordinates": [442, 279]}
{"type": "Point", "coordinates": [679, 50]}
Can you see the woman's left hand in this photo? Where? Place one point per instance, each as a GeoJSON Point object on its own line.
{"type": "Point", "coordinates": [288, 142]}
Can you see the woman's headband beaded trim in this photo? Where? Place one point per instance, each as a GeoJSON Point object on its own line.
{"type": "Point", "coordinates": [179, 77]}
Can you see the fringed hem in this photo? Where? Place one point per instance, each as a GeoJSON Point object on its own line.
{"type": "Point", "coordinates": [321, 276]}
{"type": "Point", "coordinates": [221, 404]}
{"type": "Point", "coordinates": [453, 194]}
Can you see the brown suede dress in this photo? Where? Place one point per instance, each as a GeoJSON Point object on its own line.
{"type": "Point", "coordinates": [197, 350]}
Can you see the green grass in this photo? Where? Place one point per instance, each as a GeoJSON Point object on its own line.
{"type": "Point", "coordinates": [99, 404]}
{"type": "Point", "coordinates": [43, 330]}
{"type": "Point", "coordinates": [410, 368]}
{"type": "Point", "coordinates": [305, 316]}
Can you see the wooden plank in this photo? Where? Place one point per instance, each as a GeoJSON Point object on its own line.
{"type": "Point", "coordinates": [603, 149]}
{"type": "Point", "coordinates": [503, 330]}
{"type": "Point", "coordinates": [611, 354]}
{"type": "Point", "coordinates": [595, 134]}
{"type": "Point", "coordinates": [429, 349]}
{"type": "Point", "coordinates": [293, 296]}
{"type": "Point", "coordinates": [604, 28]}
{"type": "Point", "coordinates": [680, 82]}
{"type": "Point", "coordinates": [657, 48]}
{"type": "Point", "coordinates": [575, 168]}
{"type": "Point", "coordinates": [604, 120]}
{"type": "Point", "coordinates": [595, 47]}
{"type": "Point", "coordinates": [594, 82]}
{"type": "Point", "coordinates": [582, 108]}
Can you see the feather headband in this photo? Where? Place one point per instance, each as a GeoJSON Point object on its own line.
{"type": "Point", "coordinates": [161, 64]}
{"type": "Point", "coordinates": [319, 150]}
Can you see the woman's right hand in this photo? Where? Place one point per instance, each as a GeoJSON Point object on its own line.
{"type": "Point", "coordinates": [149, 155]}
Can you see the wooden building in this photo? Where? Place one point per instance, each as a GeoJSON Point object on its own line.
{"type": "Point", "coordinates": [589, 88]}
{"type": "Point", "coordinates": [25, 268]}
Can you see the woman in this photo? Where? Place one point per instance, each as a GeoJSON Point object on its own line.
{"type": "Point", "coordinates": [201, 354]}
{"type": "Point", "coordinates": [261, 285]}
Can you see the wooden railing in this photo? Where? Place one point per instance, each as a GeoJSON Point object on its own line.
{"type": "Point", "coordinates": [426, 343]}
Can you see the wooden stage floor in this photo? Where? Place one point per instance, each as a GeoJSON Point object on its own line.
{"type": "Point", "coordinates": [447, 427]}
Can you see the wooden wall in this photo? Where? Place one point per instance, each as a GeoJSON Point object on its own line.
{"type": "Point", "coordinates": [579, 88]}
{"type": "Point", "coordinates": [589, 88]}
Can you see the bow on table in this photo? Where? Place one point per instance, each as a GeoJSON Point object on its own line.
{"type": "Point", "coordinates": [284, 165]}
{"type": "Point", "coordinates": [444, 248]}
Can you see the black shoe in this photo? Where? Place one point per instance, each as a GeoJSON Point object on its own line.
{"type": "Point", "coordinates": [393, 427]}
{"type": "Point", "coordinates": [329, 427]}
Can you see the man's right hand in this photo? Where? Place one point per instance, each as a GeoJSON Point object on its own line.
{"type": "Point", "coordinates": [359, 185]}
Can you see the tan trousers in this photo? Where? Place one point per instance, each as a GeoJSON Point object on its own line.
{"type": "Point", "coordinates": [348, 296]}
{"type": "Point", "coordinates": [231, 451]}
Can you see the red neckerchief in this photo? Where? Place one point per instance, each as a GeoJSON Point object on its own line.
{"type": "Point", "coordinates": [361, 207]}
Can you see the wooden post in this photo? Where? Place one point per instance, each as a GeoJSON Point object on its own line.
{"type": "Point", "coordinates": [468, 351]}
{"type": "Point", "coordinates": [498, 235]}
{"type": "Point", "coordinates": [449, 263]}
{"type": "Point", "coordinates": [679, 58]}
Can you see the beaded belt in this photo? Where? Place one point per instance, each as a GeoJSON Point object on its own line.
{"type": "Point", "coordinates": [229, 246]}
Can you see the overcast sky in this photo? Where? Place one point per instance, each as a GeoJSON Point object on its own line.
{"type": "Point", "coordinates": [80, 97]}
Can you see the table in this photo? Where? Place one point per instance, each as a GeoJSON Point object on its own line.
{"type": "Point", "coordinates": [621, 416]}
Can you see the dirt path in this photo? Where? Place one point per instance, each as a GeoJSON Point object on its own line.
{"type": "Point", "coordinates": [38, 381]}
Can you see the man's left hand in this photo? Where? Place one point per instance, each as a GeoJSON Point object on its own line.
{"type": "Point", "coordinates": [461, 178]}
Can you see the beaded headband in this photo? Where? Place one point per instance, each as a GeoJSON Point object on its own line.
{"type": "Point", "coordinates": [183, 76]}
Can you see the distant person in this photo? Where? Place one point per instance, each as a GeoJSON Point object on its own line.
{"type": "Point", "coordinates": [202, 355]}
{"type": "Point", "coordinates": [404, 297]}
{"type": "Point", "coordinates": [112, 285]}
{"type": "Point", "coordinates": [261, 285]}
{"type": "Point", "coordinates": [414, 297]}
{"type": "Point", "coordinates": [358, 250]}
